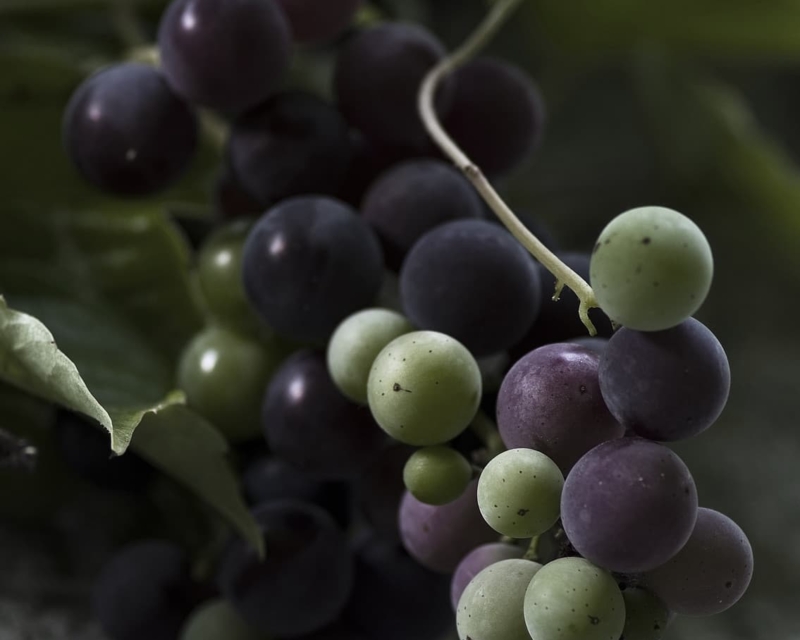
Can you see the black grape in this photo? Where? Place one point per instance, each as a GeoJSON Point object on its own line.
{"type": "Point", "coordinates": [309, 263]}
{"type": "Point", "coordinates": [224, 54]}
{"type": "Point", "coordinates": [377, 78]}
{"type": "Point", "coordinates": [127, 132]}
{"type": "Point", "coordinates": [473, 281]}
{"type": "Point", "coordinates": [393, 597]}
{"type": "Point", "coordinates": [306, 579]}
{"type": "Point", "coordinates": [629, 505]}
{"type": "Point", "coordinates": [496, 116]}
{"type": "Point", "coordinates": [380, 488]}
{"type": "Point", "coordinates": [86, 449]}
{"type": "Point", "coordinates": [411, 199]}
{"type": "Point", "coordinates": [145, 591]}
{"type": "Point", "coordinates": [292, 145]}
{"type": "Point", "coordinates": [665, 385]}
{"type": "Point", "coordinates": [311, 424]}
{"type": "Point", "coordinates": [314, 21]}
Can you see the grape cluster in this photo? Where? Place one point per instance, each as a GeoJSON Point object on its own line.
{"type": "Point", "coordinates": [364, 435]}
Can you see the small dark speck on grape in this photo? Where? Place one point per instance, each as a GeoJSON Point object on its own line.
{"type": "Point", "coordinates": [583, 388]}
{"type": "Point", "coordinates": [655, 284]}
{"type": "Point", "coordinates": [646, 240]}
{"type": "Point", "coordinates": [608, 241]}
{"type": "Point", "coordinates": [728, 585]}
{"type": "Point", "coordinates": [594, 620]}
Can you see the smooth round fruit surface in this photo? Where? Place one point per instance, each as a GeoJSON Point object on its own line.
{"type": "Point", "coordinates": [519, 493]}
{"type": "Point", "coordinates": [437, 475]}
{"type": "Point", "coordinates": [313, 21]}
{"type": "Point", "coordinates": [651, 268]}
{"type": "Point", "coordinates": [216, 620]}
{"type": "Point", "coordinates": [424, 388]}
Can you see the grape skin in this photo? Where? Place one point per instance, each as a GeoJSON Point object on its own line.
{"type": "Point", "coordinates": [651, 268]}
{"type": "Point", "coordinates": [491, 607]}
{"type": "Point", "coordinates": [519, 493]}
{"type": "Point", "coordinates": [355, 344]}
{"type": "Point", "coordinates": [437, 475]}
{"type": "Point", "coordinates": [476, 561]}
{"type": "Point", "coordinates": [312, 21]}
{"type": "Point", "coordinates": [424, 388]}
{"type": "Point", "coordinates": [646, 617]}
{"type": "Point", "coordinates": [216, 620]}
{"type": "Point", "coordinates": [571, 599]}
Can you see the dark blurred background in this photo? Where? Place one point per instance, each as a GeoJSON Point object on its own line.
{"type": "Point", "coordinates": [691, 104]}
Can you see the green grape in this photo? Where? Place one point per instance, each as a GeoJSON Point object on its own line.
{"type": "Point", "coordinates": [216, 620]}
{"type": "Point", "coordinates": [519, 493]}
{"type": "Point", "coordinates": [424, 388]}
{"type": "Point", "coordinates": [355, 344]}
{"type": "Point", "coordinates": [219, 275]}
{"type": "Point", "coordinates": [491, 607]}
{"type": "Point", "coordinates": [646, 617]}
{"type": "Point", "coordinates": [224, 376]}
{"type": "Point", "coordinates": [651, 268]}
{"type": "Point", "coordinates": [572, 599]}
{"type": "Point", "coordinates": [437, 475]}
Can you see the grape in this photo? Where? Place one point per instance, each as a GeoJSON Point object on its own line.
{"type": "Point", "coordinates": [268, 479]}
{"type": "Point", "coordinates": [472, 280]}
{"type": "Point", "coordinates": [519, 493]}
{"type": "Point", "coordinates": [294, 144]}
{"type": "Point", "coordinates": [629, 505]}
{"type": "Point", "coordinates": [86, 450]}
{"type": "Point", "coordinates": [646, 617]}
{"type": "Point", "coordinates": [424, 388]}
{"type": "Point", "coordinates": [309, 263]}
{"type": "Point", "coordinates": [127, 133]}
{"type": "Point", "coordinates": [497, 115]}
{"type": "Point", "coordinates": [412, 198]}
{"type": "Point", "coordinates": [355, 344]}
{"type": "Point", "coordinates": [476, 561]}
{"type": "Point", "coordinates": [145, 591]}
{"type": "Point", "coordinates": [377, 78]}
{"type": "Point", "coordinates": [224, 375]}
{"type": "Point", "coordinates": [710, 573]}
{"type": "Point", "coordinates": [216, 620]}
{"type": "Point", "coordinates": [438, 537]}
{"type": "Point", "coordinates": [571, 599]}
{"type": "Point", "coordinates": [394, 598]}
{"type": "Point", "coordinates": [651, 268]}
{"type": "Point", "coordinates": [305, 581]}
{"type": "Point", "coordinates": [550, 401]}
{"type": "Point", "coordinates": [437, 475]}
{"type": "Point", "coordinates": [665, 385]}
{"type": "Point", "coordinates": [224, 54]}
{"type": "Point", "coordinates": [380, 489]}
{"type": "Point", "coordinates": [309, 423]}
{"type": "Point", "coordinates": [491, 607]}
{"type": "Point", "coordinates": [318, 20]}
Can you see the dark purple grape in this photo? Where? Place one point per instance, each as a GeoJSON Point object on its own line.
{"type": "Point", "coordinates": [377, 78]}
{"type": "Point", "coordinates": [411, 199]}
{"type": "Point", "coordinates": [268, 479]}
{"type": "Point", "coordinates": [306, 579]}
{"type": "Point", "coordinates": [145, 591]}
{"type": "Point", "coordinates": [476, 561]}
{"type": "Point", "coordinates": [496, 116]}
{"type": "Point", "coordinates": [629, 505]}
{"type": "Point", "coordinates": [127, 132]}
{"type": "Point", "coordinates": [550, 401]}
{"type": "Point", "coordinates": [224, 54]}
{"type": "Point", "coordinates": [395, 598]}
{"type": "Point", "coordinates": [294, 144]}
{"type": "Point", "coordinates": [438, 537]}
{"type": "Point", "coordinates": [309, 423]}
{"type": "Point", "coordinates": [380, 489]}
{"type": "Point", "coordinates": [665, 385]}
{"type": "Point", "coordinates": [319, 20]}
{"type": "Point", "coordinates": [710, 573]}
{"type": "Point", "coordinates": [309, 263]}
{"type": "Point", "coordinates": [473, 281]}
{"type": "Point", "coordinates": [86, 450]}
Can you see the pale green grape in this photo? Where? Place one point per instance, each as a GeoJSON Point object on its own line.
{"type": "Point", "coordinates": [651, 268]}
{"type": "Point", "coordinates": [491, 607]}
{"type": "Point", "coordinates": [572, 599]}
{"type": "Point", "coordinates": [437, 475]}
{"type": "Point", "coordinates": [646, 617]}
{"type": "Point", "coordinates": [424, 388]}
{"type": "Point", "coordinates": [519, 493]}
{"type": "Point", "coordinates": [355, 344]}
{"type": "Point", "coordinates": [216, 620]}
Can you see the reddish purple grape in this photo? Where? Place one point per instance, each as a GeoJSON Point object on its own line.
{"type": "Point", "coordinates": [476, 561]}
{"type": "Point", "coordinates": [318, 20]}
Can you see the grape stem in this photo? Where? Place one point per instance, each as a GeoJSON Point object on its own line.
{"type": "Point", "coordinates": [565, 276]}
